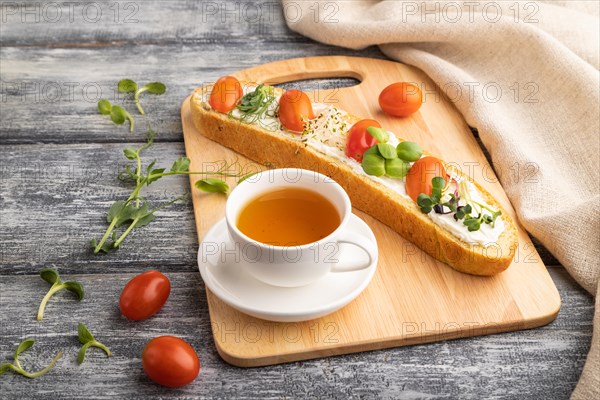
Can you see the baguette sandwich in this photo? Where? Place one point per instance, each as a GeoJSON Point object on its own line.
{"type": "Point", "coordinates": [436, 207]}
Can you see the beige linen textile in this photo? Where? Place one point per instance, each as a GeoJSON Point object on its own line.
{"type": "Point", "coordinates": [544, 57]}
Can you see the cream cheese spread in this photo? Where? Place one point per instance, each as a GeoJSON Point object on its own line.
{"type": "Point", "coordinates": [328, 136]}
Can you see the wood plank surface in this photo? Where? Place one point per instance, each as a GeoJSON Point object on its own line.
{"type": "Point", "coordinates": [64, 192]}
{"type": "Point", "coordinates": [64, 85]}
{"type": "Point", "coordinates": [114, 23]}
{"type": "Point", "coordinates": [412, 298]}
{"type": "Point", "coordinates": [541, 363]}
{"type": "Point", "coordinates": [49, 221]}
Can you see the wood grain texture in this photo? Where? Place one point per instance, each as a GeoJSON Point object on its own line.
{"type": "Point", "coordinates": [412, 298]}
{"type": "Point", "coordinates": [54, 200]}
{"type": "Point", "coordinates": [541, 363]}
{"type": "Point", "coordinates": [171, 37]}
{"type": "Point", "coordinates": [122, 22]}
{"type": "Point", "coordinates": [64, 85]}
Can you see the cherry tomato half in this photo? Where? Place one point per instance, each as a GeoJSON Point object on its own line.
{"type": "Point", "coordinates": [170, 361]}
{"type": "Point", "coordinates": [225, 94]}
{"type": "Point", "coordinates": [401, 99]}
{"type": "Point", "coordinates": [144, 295]}
{"type": "Point", "coordinates": [294, 109]}
{"type": "Point", "coordinates": [359, 140]}
{"type": "Point", "coordinates": [420, 175]}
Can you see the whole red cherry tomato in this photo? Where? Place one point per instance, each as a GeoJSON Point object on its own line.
{"type": "Point", "coordinates": [225, 94]}
{"type": "Point", "coordinates": [420, 175]}
{"type": "Point", "coordinates": [144, 295]}
{"type": "Point", "coordinates": [170, 361]}
{"type": "Point", "coordinates": [359, 140]}
{"type": "Point", "coordinates": [401, 99]}
{"type": "Point", "coordinates": [294, 109]}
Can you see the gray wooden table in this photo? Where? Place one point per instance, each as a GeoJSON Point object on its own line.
{"type": "Point", "coordinates": [59, 161]}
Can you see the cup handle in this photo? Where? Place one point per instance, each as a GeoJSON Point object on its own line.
{"type": "Point", "coordinates": [364, 243]}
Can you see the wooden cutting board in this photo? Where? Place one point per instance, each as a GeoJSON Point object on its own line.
{"type": "Point", "coordinates": [412, 298]}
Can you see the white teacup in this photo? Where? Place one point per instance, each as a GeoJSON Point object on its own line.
{"type": "Point", "coordinates": [292, 266]}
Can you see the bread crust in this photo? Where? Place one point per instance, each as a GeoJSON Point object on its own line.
{"type": "Point", "coordinates": [402, 215]}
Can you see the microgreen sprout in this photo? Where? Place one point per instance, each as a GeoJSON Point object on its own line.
{"type": "Point", "coordinates": [52, 276]}
{"type": "Point", "coordinates": [256, 106]}
{"type": "Point", "coordinates": [461, 212]}
{"type": "Point", "coordinates": [129, 86]}
{"type": "Point", "coordinates": [427, 203]}
{"type": "Point", "coordinates": [87, 340]}
{"type": "Point", "coordinates": [118, 115]}
{"type": "Point", "coordinates": [136, 213]}
{"type": "Point", "coordinates": [16, 367]}
{"type": "Point", "coordinates": [472, 222]}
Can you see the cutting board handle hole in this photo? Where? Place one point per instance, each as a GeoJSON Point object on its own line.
{"type": "Point", "coordinates": [319, 84]}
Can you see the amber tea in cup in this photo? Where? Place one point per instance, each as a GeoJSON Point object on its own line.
{"type": "Point", "coordinates": [288, 216]}
{"type": "Point", "coordinates": [288, 226]}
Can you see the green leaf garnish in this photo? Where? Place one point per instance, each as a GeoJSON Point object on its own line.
{"type": "Point", "coordinates": [437, 184]}
{"type": "Point", "coordinates": [130, 154]}
{"type": "Point", "coordinates": [409, 151]}
{"type": "Point", "coordinates": [84, 334]}
{"type": "Point", "coordinates": [181, 165]}
{"type": "Point", "coordinates": [380, 134]}
{"type": "Point", "coordinates": [133, 212]}
{"type": "Point", "coordinates": [104, 107]}
{"type": "Point", "coordinates": [77, 288]}
{"type": "Point", "coordinates": [52, 276]}
{"type": "Point", "coordinates": [372, 150]}
{"type": "Point", "coordinates": [471, 222]}
{"type": "Point", "coordinates": [373, 164]}
{"type": "Point", "coordinates": [381, 159]}
{"type": "Point", "coordinates": [425, 203]}
{"type": "Point", "coordinates": [16, 367]}
{"type": "Point", "coordinates": [129, 86]}
{"type": "Point", "coordinates": [434, 201]}
{"type": "Point", "coordinates": [212, 185]}
{"type": "Point", "coordinates": [387, 151]}
{"type": "Point", "coordinates": [396, 168]}
{"type": "Point", "coordinates": [23, 346]}
{"type": "Point", "coordinates": [118, 115]}
{"type": "Point", "coordinates": [104, 247]}
{"type": "Point", "coordinates": [157, 88]}
{"type": "Point", "coordinates": [87, 339]}
{"type": "Point", "coordinates": [154, 175]}
{"type": "Point", "coordinates": [256, 107]}
{"type": "Point", "coordinates": [119, 213]}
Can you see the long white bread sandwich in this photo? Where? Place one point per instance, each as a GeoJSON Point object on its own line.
{"type": "Point", "coordinates": [439, 209]}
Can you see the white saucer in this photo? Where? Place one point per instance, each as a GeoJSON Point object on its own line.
{"type": "Point", "coordinates": [237, 288]}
